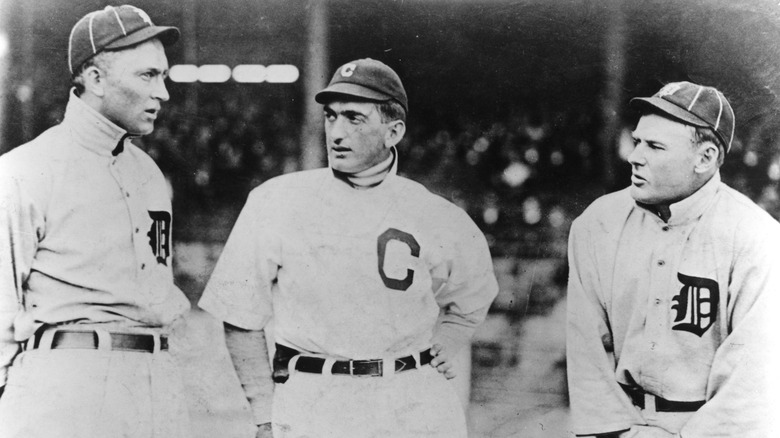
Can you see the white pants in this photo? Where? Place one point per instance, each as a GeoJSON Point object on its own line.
{"type": "Point", "coordinates": [81, 393]}
{"type": "Point", "coordinates": [414, 403]}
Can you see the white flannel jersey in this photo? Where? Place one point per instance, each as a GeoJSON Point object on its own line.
{"type": "Point", "coordinates": [681, 309]}
{"type": "Point", "coordinates": [355, 274]}
{"type": "Point", "coordinates": [84, 235]}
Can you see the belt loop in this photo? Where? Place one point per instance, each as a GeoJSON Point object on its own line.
{"type": "Point", "coordinates": [327, 367]}
{"type": "Point", "coordinates": [417, 360]}
{"type": "Point", "coordinates": [649, 402]}
{"type": "Point", "coordinates": [291, 364]}
{"type": "Point", "coordinates": [157, 342]}
{"type": "Point", "coordinates": [388, 367]}
{"type": "Point", "coordinates": [104, 339]}
{"type": "Point", "coordinates": [47, 337]}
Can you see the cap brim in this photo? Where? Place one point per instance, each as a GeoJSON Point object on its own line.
{"type": "Point", "coordinates": [342, 89]}
{"type": "Point", "coordinates": [167, 35]}
{"type": "Point", "coordinates": [670, 109]}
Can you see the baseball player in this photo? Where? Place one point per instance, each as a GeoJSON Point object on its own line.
{"type": "Point", "coordinates": [373, 282]}
{"type": "Point", "coordinates": [672, 285]}
{"type": "Point", "coordinates": [86, 289]}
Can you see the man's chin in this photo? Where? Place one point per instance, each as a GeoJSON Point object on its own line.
{"type": "Point", "coordinates": [640, 195]}
{"type": "Point", "coordinates": [139, 131]}
{"type": "Point", "coordinates": [340, 166]}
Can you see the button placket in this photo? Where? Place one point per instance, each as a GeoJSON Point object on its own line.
{"type": "Point", "coordinates": [136, 214]}
{"type": "Point", "coordinates": [140, 239]}
{"type": "Point", "coordinates": [657, 313]}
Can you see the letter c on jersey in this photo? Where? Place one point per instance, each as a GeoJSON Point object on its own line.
{"type": "Point", "coordinates": [381, 249]}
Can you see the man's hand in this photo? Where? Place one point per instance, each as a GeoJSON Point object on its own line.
{"type": "Point", "coordinates": [264, 431]}
{"type": "Point", "coordinates": [442, 361]}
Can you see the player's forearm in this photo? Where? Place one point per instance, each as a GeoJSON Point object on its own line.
{"type": "Point", "coordinates": [455, 330]}
{"type": "Point", "coordinates": [249, 354]}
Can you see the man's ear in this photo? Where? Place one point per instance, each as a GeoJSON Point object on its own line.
{"type": "Point", "coordinates": [94, 81]}
{"type": "Point", "coordinates": [708, 158]}
{"type": "Point", "coordinates": [395, 132]}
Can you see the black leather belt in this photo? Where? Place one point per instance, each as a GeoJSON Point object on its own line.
{"type": "Point", "coordinates": [89, 340]}
{"type": "Point", "coordinates": [368, 368]}
{"type": "Point", "coordinates": [637, 396]}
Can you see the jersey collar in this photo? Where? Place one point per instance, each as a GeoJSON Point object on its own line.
{"type": "Point", "coordinates": [372, 176]}
{"type": "Point", "coordinates": [693, 206]}
{"type": "Point", "coordinates": [91, 129]}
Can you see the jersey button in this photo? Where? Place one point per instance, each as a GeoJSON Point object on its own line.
{"type": "Point", "coordinates": [127, 194]}
{"type": "Point", "coordinates": [665, 228]}
{"type": "Point", "coordinates": [661, 262]}
{"type": "Point", "coordinates": [657, 301]}
{"type": "Point", "coordinates": [143, 265]}
{"type": "Point", "coordinates": [136, 229]}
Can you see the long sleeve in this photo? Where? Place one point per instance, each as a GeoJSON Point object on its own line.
{"type": "Point", "coordinates": [454, 331]}
{"type": "Point", "coordinates": [20, 226]}
{"type": "Point", "coordinates": [739, 387]}
{"type": "Point", "coordinates": [249, 353]}
{"type": "Point", "coordinates": [597, 401]}
{"type": "Point", "coordinates": [467, 286]}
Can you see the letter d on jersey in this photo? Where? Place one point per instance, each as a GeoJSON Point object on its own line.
{"type": "Point", "coordinates": [696, 304]}
{"type": "Point", "coordinates": [381, 249]}
{"type": "Point", "coordinates": [160, 235]}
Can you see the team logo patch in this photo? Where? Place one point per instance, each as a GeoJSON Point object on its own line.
{"type": "Point", "coordinates": [348, 70]}
{"type": "Point", "coordinates": [696, 304]}
{"type": "Point", "coordinates": [160, 235]}
{"type": "Point", "coordinates": [403, 238]}
{"type": "Point", "coordinates": [669, 89]}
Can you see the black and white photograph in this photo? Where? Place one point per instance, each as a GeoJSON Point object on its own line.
{"type": "Point", "coordinates": [389, 218]}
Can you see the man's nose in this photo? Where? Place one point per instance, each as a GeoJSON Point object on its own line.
{"type": "Point", "coordinates": [337, 130]}
{"type": "Point", "coordinates": [636, 157]}
{"type": "Point", "coordinates": [160, 91]}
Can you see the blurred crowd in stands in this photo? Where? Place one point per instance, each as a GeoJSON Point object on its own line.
{"type": "Point", "coordinates": [523, 176]}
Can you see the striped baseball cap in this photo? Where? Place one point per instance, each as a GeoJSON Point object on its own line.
{"type": "Point", "coordinates": [113, 28]}
{"type": "Point", "coordinates": [696, 105]}
{"type": "Point", "coordinates": [367, 79]}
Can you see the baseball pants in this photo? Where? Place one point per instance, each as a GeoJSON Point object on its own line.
{"type": "Point", "coordinates": [414, 403]}
{"type": "Point", "coordinates": [79, 393]}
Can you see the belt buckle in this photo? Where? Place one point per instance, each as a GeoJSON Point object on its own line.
{"type": "Point", "coordinates": [367, 371]}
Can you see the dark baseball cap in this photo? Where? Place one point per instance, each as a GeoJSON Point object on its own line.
{"type": "Point", "coordinates": [113, 28]}
{"type": "Point", "coordinates": [696, 105]}
{"type": "Point", "coordinates": [366, 79]}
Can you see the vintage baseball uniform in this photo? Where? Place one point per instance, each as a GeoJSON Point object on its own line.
{"type": "Point", "coordinates": [85, 229]}
{"type": "Point", "coordinates": [676, 309]}
{"type": "Point", "coordinates": [355, 274]}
